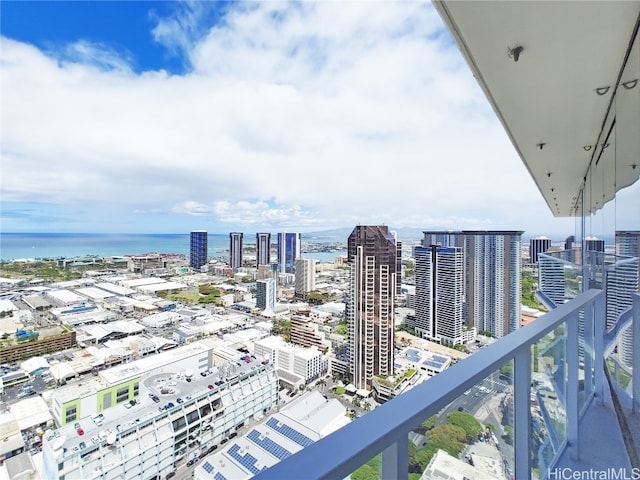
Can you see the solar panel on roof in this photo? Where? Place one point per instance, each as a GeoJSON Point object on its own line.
{"type": "Point", "coordinates": [207, 467]}
{"type": "Point", "coordinates": [268, 445]}
{"type": "Point", "coordinates": [247, 460]}
{"type": "Point", "coordinates": [219, 476]}
{"type": "Point", "coordinates": [289, 432]}
{"type": "Point", "coordinates": [432, 364]}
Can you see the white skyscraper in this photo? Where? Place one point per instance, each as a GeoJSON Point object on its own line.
{"type": "Point", "coordinates": [305, 276]}
{"type": "Point", "coordinates": [492, 277]}
{"type": "Point", "coordinates": [266, 294]}
{"type": "Point", "coordinates": [440, 293]}
{"type": "Point", "coordinates": [623, 280]}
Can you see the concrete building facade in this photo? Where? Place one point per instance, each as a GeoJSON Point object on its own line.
{"type": "Point", "coordinates": [305, 280]}
{"type": "Point", "coordinates": [373, 269]}
{"type": "Point", "coordinates": [440, 293]}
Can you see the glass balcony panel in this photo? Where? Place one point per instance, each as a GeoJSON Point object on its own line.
{"type": "Point", "coordinates": [559, 275]}
{"type": "Point", "coordinates": [476, 429]}
{"type": "Point", "coordinates": [372, 470]}
{"type": "Point", "coordinates": [586, 373]}
{"type": "Point", "coordinates": [548, 398]}
{"type": "Point", "coordinates": [621, 377]}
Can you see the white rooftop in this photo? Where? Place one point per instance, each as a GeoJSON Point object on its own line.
{"type": "Point", "coordinates": [30, 412]}
{"type": "Point", "coordinates": [94, 293]}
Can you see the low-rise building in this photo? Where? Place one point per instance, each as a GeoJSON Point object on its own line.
{"type": "Point", "coordinates": [184, 415]}
{"type": "Point", "coordinates": [300, 364]}
{"type": "Point", "coordinates": [294, 427]}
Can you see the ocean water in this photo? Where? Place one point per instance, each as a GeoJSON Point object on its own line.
{"type": "Point", "coordinates": [55, 245]}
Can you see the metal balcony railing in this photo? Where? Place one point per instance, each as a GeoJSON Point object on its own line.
{"type": "Point", "coordinates": [554, 367]}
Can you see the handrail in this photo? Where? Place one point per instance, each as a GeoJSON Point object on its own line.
{"type": "Point", "coordinates": [340, 453]}
{"type": "Point", "coordinates": [612, 334]}
{"type": "Point", "coordinates": [546, 301]}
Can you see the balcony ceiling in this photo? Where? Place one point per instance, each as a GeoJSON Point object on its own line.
{"type": "Point", "coordinates": [548, 99]}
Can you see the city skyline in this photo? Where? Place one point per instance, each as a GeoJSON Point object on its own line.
{"type": "Point", "coordinates": [195, 110]}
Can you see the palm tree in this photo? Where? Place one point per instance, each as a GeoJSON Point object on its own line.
{"type": "Point", "coordinates": [322, 383]}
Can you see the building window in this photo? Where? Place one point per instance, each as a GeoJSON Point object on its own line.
{"type": "Point", "coordinates": [71, 414]}
{"type": "Point", "coordinates": [193, 417]}
{"type": "Point", "coordinates": [136, 389]}
{"type": "Point", "coordinates": [122, 395]}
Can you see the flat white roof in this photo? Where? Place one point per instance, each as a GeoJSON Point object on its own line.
{"type": "Point", "coordinates": [30, 412]}
{"type": "Point", "coordinates": [94, 293]}
{"type": "Point", "coordinates": [158, 287]}
{"type": "Point", "coordinates": [7, 306]}
{"type": "Point", "coordinates": [136, 368]}
{"type": "Point", "coordinates": [302, 416]}
{"type": "Point", "coordinates": [65, 296]}
{"type": "Point", "coordinates": [137, 282]}
{"type": "Point", "coordinates": [117, 289]}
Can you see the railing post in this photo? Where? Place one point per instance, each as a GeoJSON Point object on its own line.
{"type": "Point", "coordinates": [395, 460]}
{"type": "Point", "coordinates": [573, 414]}
{"type": "Point", "coordinates": [599, 322]}
{"type": "Point", "coordinates": [522, 411]}
{"type": "Point", "coordinates": [589, 353]}
{"type": "Point", "coordinates": [635, 379]}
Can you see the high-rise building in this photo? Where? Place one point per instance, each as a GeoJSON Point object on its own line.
{"type": "Point", "coordinates": [551, 278]}
{"type": "Point", "coordinates": [440, 293]}
{"type": "Point", "coordinates": [305, 276]}
{"type": "Point", "coordinates": [444, 239]}
{"type": "Point", "coordinates": [536, 246]}
{"type": "Point", "coordinates": [266, 294]}
{"type": "Point", "coordinates": [372, 252]}
{"type": "Point", "coordinates": [263, 249]}
{"type": "Point", "coordinates": [623, 280]}
{"type": "Point", "coordinates": [594, 244]}
{"type": "Point", "coordinates": [198, 250]}
{"type": "Point", "coordinates": [235, 249]}
{"type": "Point", "coordinates": [492, 280]}
{"type": "Point", "coordinates": [288, 251]}
{"type": "Point", "coordinates": [569, 248]}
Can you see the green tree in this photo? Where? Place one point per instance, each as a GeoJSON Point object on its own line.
{"type": "Point", "coordinates": [342, 328]}
{"type": "Point", "coordinates": [466, 422]}
{"type": "Point", "coordinates": [369, 471]}
{"type": "Point", "coordinates": [317, 298]}
{"type": "Point", "coordinates": [365, 472]}
{"type": "Point", "coordinates": [449, 438]}
{"type": "Point", "coordinates": [508, 434]}
{"type": "Point", "coordinates": [430, 422]}
{"type": "Point", "coordinates": [282, 328]}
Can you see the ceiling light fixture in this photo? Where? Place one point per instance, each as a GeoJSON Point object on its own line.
{"type": "Point", "coordinates": [602, 90]}
{"type": "Point", "coordinates": [586, 148]}
{"type": "Point", "coordinates": [515, 52]}
{"type": "Point", "coordinates": [540, 145]}
{"type": "Point", "coordinates": [605, 145]}
{"type": "Point", "coordinates": [630, 84]}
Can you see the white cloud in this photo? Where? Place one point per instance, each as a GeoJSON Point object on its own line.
{"type": "Point", "coordinates": [301, 115]}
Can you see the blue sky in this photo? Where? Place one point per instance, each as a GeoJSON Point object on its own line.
{"type": "Point", "coordinates": [142, 117]}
